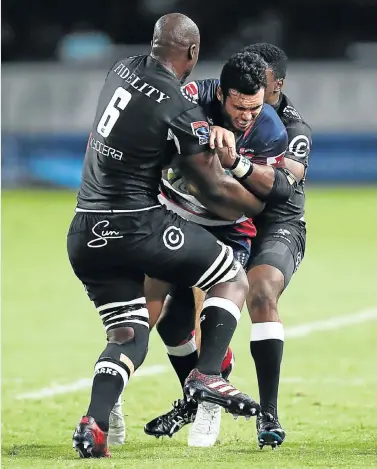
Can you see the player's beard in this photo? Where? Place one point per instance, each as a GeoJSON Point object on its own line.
{"type": "Point", "coordinates": [228, 123]}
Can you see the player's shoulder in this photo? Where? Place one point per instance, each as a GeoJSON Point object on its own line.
{"type": "Point", "coordinates": [270, 123]}
{"type": "Point", "coordinates": [292, 118]}
{"type": "Point", "coordinates": [200, 91]}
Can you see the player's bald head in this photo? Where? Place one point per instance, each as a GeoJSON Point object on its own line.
{"type": "Point", "coordinates": [175, 43]}
{"type": "Point", "coordinates": [175, 31]}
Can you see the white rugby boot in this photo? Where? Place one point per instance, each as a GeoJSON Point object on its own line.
{"type": "Point", "coordinates": [117, 425]}
{"type": "Point", "coordinates": [206, 427]}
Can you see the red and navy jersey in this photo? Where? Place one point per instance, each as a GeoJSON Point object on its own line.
{"type": "Point", "coordinates": [266, 141]}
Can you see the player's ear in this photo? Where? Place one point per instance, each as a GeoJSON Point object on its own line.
{"type": "Point", "coordinates": [192, 52]}
{"type": "Point", "coordinates": [279, 85]}
{"type": "Point", "coordinates": [219, 94]}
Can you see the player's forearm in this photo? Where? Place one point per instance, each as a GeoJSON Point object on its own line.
{"type": "Point", "coordinates": [235, 195]}
{"type": "Point", "coordinates": [261, 180]}
{"type": "Point", "coordinates": [229, 199]}
{"type": "Point", "coordinates": [274, 185]}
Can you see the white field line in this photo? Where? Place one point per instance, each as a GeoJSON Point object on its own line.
{"type": "Point", "coordinates": [85, 383]}
{"type": "Point", "coordinates": [292, 332]}
{"type": "Point", "coordinates": [336, 322]}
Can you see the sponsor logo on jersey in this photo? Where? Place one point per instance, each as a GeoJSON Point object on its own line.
{"type": "Point", "coordinates": [190, 92]}
{"type": "Point", "coordinates": [283, 231]}
{"type": "Point", "coordinates": [173, 238]}
{"type": "Point", "coordinates": [299, 146]}
{"type": "Point", "coordinates": [290, 111]}
{"type": "Point", "coordinates": [102, 236]}
{"type": "Point", "coordinates": [201, 130]}
{"type": "Point", "coordinates": [247, 152]}
{"type": "Point", "coordinates": [103, 149]}
{"type": "Point", "coordinates": [276, 161]}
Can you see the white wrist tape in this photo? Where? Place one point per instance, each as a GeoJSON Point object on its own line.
{"type": "Point", "coordinates": [243, 167]}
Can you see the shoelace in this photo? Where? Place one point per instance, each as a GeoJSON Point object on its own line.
{"type": "Point", "coordinates": [177, 407]}
{"type": "Point", "coordinates": [270, 419]}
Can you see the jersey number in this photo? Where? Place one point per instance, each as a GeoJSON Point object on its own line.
{"type": "Point", "coordinates": [117, 103]}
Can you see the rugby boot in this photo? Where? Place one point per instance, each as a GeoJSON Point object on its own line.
{"type": "Point", "coordinates": [89, 440]}
{"type": "Point", "coordinates": [215, 389]}
{"type": "Point", "coordinates": [206, 427]}
{"type": "Point", "coordinates": [117, 425]}
{"type": "Point", "coordinates": [270, 432]}
{"type": "Point", "coordinates": [182, 413]}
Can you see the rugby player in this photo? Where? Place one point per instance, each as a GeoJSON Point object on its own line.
{"type": "Point", "coordinates": [120, 232]}
{"type": "Point", "coordinates": [237, 103]}
{"type": "Point", "coordinates": [276, 254]}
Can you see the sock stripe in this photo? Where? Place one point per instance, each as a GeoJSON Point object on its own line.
{"type": "Point", "coordinates": [127, 323]}
{"type": "Point", "coordinates": [223, 303]}
{"type": "Point", "coordinates": [117, 304]}
{"type": "Point", "coordinates": [182, 350]}
{"type": "Point", "coordinates": [266, 331]}
{"type": "Point", "coordinates": [112, 366]}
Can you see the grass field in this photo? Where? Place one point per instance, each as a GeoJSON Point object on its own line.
{"type": "Point", "coordinates": [51, 336]}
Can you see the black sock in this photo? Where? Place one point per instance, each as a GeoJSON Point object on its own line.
{"type": "Point", "coordinates": [183, 365]}
{"type": "Point", "coordinates": [177, 326]}
{"type": "Point", "coordinates": [218, 322]}
{"type": "Point", "coordinates": [107, 386]}
{"type": "Point", "coordinates": [266, 347]}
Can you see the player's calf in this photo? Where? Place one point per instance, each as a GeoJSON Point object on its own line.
{"type": "Point", "coordinates": [176, 329]}
{"type": "Point", "coordinates": [219, 318]}
{"type": "Point", "coordinates": [267, 333]}
{"type": "Point", "coordinates": [127, 328]}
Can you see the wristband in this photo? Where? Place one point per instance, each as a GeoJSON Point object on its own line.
{"type": "Point", "coordinates": [242, 167]}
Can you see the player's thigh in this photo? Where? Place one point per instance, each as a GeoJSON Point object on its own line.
{"type": "Point", "coordinates": [116, 290]}
{"type": "Point", "coordinates": [241, 251]}
{"type": "Point", "coordinates": [275, 256]}
{"type": "Point", "coordinates": [155, 294]}
{"type": "Point", "coordinates": [184, 254]}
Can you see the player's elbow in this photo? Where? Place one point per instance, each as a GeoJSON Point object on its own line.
{"type": "Point", "coordinates": [283, 188]}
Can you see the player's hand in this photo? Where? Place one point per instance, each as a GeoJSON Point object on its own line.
{"type": "Point", "coordinates": [221, 139]}
{"type": "Point", "coordinates": [226, 159]}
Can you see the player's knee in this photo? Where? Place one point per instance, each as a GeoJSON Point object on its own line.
{"type": "Point", "coordinates": [178, 320]}
{"type": "Point", "coordinates": [262, 301]}
{"type": "Point", "coordinates": [242, 282]}
{"type": "Point", "coordinates": [120, 335]}
{"type": "Point", "coordinates": [127, 347]}
{"type": "Point", "coordinates": [127, 328]}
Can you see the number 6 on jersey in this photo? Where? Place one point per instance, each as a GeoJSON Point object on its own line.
{"type": "Point", "coordinates": [118, 102]}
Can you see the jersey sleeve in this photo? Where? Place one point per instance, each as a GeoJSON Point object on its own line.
{"type": "Point", "coordinates": [201, 92]}
{"type": "Point", "coordinates": [190, 132]}
{"type": "Point", "coordinates": [274, 152]}
{"type": "Point", "coordinates": [299, 142]}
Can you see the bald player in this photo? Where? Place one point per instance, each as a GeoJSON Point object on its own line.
{"type": "Point", "coordinates": [120, 232]}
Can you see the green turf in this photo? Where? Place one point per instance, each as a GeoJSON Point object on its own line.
{"type": "Point", "coordinates": [51, 334]}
